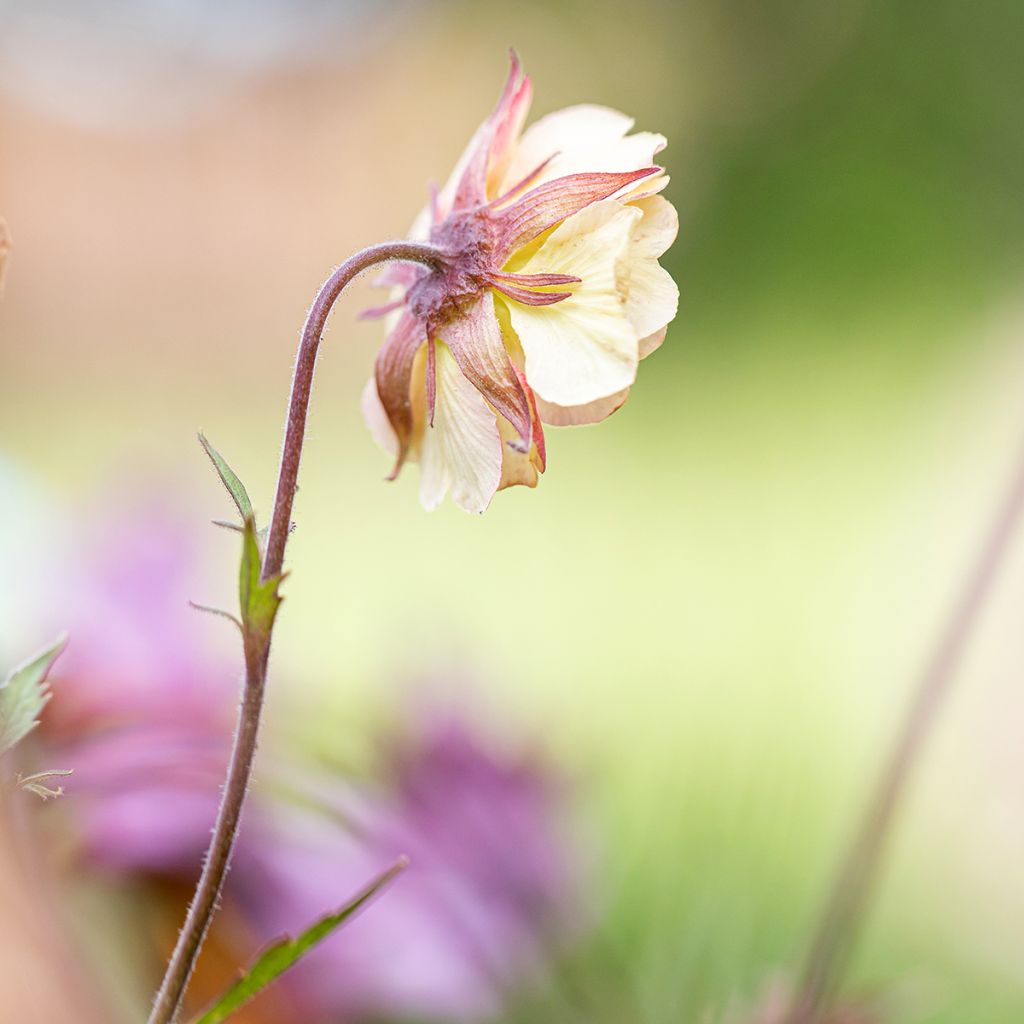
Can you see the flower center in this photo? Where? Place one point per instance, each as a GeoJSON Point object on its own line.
{"type": "Point", "coordinates": [445, 293]}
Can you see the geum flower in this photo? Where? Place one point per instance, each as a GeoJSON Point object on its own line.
{"type": "Point", "coordinates": [548, 295]}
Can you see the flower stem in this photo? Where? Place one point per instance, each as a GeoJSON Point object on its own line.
{"type": "Point", "coordinates": [844, 911]}
{"type": "Point", "coordinates": [211, 880]}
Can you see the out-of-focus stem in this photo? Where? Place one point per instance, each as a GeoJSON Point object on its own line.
{"type": "Point", "coordinates": [840, 921]}
{"type": "Point", "coordinates": [211, 880]}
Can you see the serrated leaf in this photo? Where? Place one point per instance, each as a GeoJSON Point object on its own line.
{"type": "Point", "coordinates": [258, 599]}
{"type": "Point", "coordinates": [228, 477]}
{"type": "Point", "coordinates": [24, 694]}
{"type": "Point", "coordinates": [283, 954]}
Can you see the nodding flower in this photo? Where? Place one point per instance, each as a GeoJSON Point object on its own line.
{"type": "Point", "coordinates": [548, 296]}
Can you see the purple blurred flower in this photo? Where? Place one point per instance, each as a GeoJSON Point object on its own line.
{"type": "Point", "coordinates": [489, 892]}
{"type": "Point", "coordinates": [144, 718]}
{"type": "Point", "coordinates": [145, 712]}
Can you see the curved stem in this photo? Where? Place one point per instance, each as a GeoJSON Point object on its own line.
{"type": "Point", "coordinates": [218, 856]}
{"type": "Point", "coordinates": [840, 920]}
{"type": "Point", "coordinates": [302, 383]}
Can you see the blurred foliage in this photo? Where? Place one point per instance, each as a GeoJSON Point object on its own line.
{"type": "Point", "coordinates": [712, 603]}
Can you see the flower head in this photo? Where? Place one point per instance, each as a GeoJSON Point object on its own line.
{"type": "Point", "coordinates": [547, 297]}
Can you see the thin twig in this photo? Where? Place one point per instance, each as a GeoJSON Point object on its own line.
{"type": "Point", "coordinates": [211, 880]}
{"type": "Point", "coordinates": [839, 924]}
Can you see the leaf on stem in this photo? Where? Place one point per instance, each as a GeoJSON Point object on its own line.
{"type": "Point", "coordinates": [285, 952]}
{"type": "Point", "coordinates": [234, 486]}
{"type": "Point", "coordinates": [258, 599]}
{"type": "Point", "coordinates": [24, 694]}
{"type": "Point", "coordinates": [219, 612]}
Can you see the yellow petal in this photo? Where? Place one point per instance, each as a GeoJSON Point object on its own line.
{"type": "Point", "coordinates": [652, 299]}
{"type": "Point", "coordinates": [580, 139]}
{"type": "Point", "coordinates": [462, 451]}
{"type": "Point", "coordinates": [517, 467]}
{"type": "Point", "coordinates": [583, 348]}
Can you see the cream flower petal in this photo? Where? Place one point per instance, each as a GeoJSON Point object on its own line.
{"type": "Point", "coordinates": [585, 347]}
{"type": "Point", "coordinates": [578, 139]}
{"type": "Point", "coordinates": [653, 298]}
{"type": "Point", "coordinates": [516, 467]}
{"type": "Point", "coordinates": [581, 415]}
{"type": "Point", "coordinates": [462, 452]}
{"type": "Point", "coordinates": [652, 342]}
{"type": "Point", "coordinates": [377, 419]}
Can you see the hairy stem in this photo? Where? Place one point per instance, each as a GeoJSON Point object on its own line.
{"type": "Point", "coordinates": [204, 903]}
{"type": "Point", "coordinates": [840, 921]}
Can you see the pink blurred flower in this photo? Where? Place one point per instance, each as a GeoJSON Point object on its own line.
{"type": "Point", "coordinates": [145, 711]}
{"type": "Point", "coordinates": [144, 718]}
{"type": "Point", "coordinates": [491, 890]}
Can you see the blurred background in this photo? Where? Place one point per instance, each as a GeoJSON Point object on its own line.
{"type": "Point", "coordinates": [730, 584]}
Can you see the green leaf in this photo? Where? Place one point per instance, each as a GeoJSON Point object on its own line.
{"type": "Point", "coordinates": [219, 612]}
{"type": "Point", "coordinates": [24, 694]}
{"type": "Point", "coordinates": [258, 599]}
{"type": "Point", "coordinates": [280, 955]}
{"type": "Point", "coordinates": [235, 487]}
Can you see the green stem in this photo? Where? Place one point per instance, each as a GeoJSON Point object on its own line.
{"type": "Point", "coordinates": [840, 921]}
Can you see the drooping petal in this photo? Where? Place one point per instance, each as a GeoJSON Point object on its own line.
{"type": "Point", "coordinates": [393, 374]}
{"type": "Point", "coordinates": [547, 205]}
{"type": "Point", "coordinates": [475, 341]}
{"type": "Point", "coordinates": [522, 468]}
{"type": "Point", "coordinates": [584, 348]}
{"type": "Point", "coordinates": [581, 138]}
{"type": "Point", "coordinates": [581, 415]}
{"type": "Point", "coordinates": [653, 297]}
{"type": "Point", "coordinates": [462, 451]}
{"type": "Point", "coordinates": [517, 468]}
{"type": "Point", "coordinates": [539, 445]}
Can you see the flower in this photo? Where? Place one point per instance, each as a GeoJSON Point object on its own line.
{"type": "Point", "coordinates": [144, 718]}
{"type": "Point", "coordinates": [145, 711]}
{"type": "Point", "coordinates": [549, 295]}
{"type": "Point", "coordinates": [491, 892]}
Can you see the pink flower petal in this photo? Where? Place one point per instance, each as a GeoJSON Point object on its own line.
{"type": "Point", "coordinates": [551, 203]}
{"type": "Point", "coordinates": [476, 343]}
{"type": "Point", "coordinates": [393, 373]}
